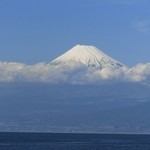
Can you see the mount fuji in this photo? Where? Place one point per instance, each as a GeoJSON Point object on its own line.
{"type": "Point", "coordinates": [87, 56]}
{"type": "Point", "coordinates": [86, 64]}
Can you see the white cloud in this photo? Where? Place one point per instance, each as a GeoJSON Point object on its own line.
{"type": "Point", "coordinates": [140, 72]}
{"type": "Point", "coordinates": [106, 73]}
{"type": "Point", "coordinates": [42, 72]}
{"type": "Point", "coordinates": [9, 70]}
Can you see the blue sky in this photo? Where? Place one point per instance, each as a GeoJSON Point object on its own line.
{"type": "Point", "coordinates": [33, 31]}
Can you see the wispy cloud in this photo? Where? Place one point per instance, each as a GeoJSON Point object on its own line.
{"type": "Point", "coordinates": [127, 2]}
{"type": "Point", "coordinates": [142, 26]}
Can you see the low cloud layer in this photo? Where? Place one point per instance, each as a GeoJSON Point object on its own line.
{"type": "Point", "coordinates": [47, 73]}
{"type": "Point", "coordinates": [140, 72]}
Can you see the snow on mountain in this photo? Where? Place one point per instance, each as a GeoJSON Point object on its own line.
{"type": "Point", "coordinates": [88, 56]}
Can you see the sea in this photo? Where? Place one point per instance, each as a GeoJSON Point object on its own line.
{"type": "Point", "coordinates": [73, 141]}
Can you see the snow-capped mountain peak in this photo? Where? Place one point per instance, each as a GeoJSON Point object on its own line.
{"type": "Point", "coordinates": [89, 56]}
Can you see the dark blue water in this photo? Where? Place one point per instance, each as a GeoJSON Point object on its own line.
{"type": "Point", "coordinates": [57, 141]}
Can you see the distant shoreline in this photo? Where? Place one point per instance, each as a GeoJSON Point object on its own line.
{"type": "Point", "coordinates": [76, 133]}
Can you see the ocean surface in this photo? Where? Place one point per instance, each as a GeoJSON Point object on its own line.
{"type": "Point", "coordinates": [73, 141]}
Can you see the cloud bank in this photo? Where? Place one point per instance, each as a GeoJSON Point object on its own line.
{"type": "Point", "coordinates": [48, 73]}
{"type": "Point", "coordinates": [140, 72]}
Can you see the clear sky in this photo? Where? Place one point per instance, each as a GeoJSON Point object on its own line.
{"type": "Point", "coordinates": [33, 31]}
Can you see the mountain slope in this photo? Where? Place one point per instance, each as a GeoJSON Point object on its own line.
{"type": "Point", "coordinates": [88, 56]}
{"type": "Point", "coordinates": [117, 108]}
